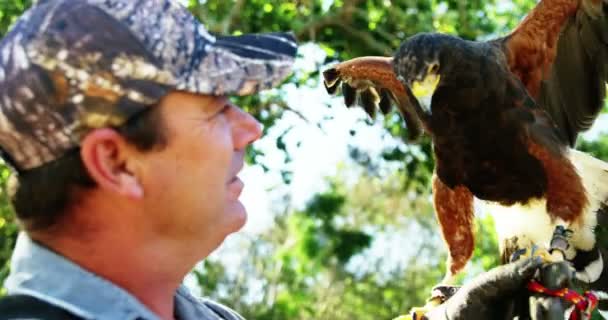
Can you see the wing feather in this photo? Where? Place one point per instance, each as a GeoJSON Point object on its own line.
{"type": "Point", "coordinates": [369, 101]}
{"type": "Point", "coordinates": [385, 103]}
{"type": "Point", "coordinates": [560, 53]}
{"type": "Point", "coordinates": [349, 93]}
{"type": "Point", "coordinates": [575, 90]}
{"type": "Point", "coordinates": [371, 82]}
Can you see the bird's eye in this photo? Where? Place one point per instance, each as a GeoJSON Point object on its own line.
{"type": "Point", "coordinates": [433, 68]}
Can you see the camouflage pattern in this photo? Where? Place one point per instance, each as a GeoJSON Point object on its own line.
{"type": "Point", "coordinates": [69, 66]}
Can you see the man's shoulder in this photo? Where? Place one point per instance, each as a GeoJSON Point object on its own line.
{"type": "Point", "coordinates": [224, 311]}
{"type": "Point", "coordinates": [212, 308]}
{"type": "Point", "coordinates": [28, 307]}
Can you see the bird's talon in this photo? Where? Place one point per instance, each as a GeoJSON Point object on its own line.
{"type": "Point", "coordinates": [416, 313]}
{"type": "Point", "coordinates": [441, 293]}
{"type": "Point", "coordinates": [557, 255]}
{"type": "Point", "coordinates": [560, 243]}
{"type": "Point", "coordinates": [518, 254]}
{"type": "Point", "coordinates": [547, 256]}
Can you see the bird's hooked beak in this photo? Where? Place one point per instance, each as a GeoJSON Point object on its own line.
{"type": "Point", "coordinates": [423, 90]}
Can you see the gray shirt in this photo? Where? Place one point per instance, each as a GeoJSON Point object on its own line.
{"type": "Point", "coordinates": [43, 274]}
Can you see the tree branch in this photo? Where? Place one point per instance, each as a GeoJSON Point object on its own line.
{"type": "Point", "coordinates": [283, 105]}
{"type": "Point", "coordinates": [309, 30]}
{"type": "Point", "coordinates": [343, 19]}
{"type": "Point", "coordinates": [227, 22]}
{"type": "Point", "coordinates": [367, 39]}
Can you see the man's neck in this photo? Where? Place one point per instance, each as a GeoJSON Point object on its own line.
{"type": "Point", "coordinates": [139, 267]}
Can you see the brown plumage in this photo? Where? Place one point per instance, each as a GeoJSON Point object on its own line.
{"type": "Point", "coordinates": [564, 43]}
{"type": "Point", "coordinates": [373, 76]}
{"type": "Point", "coordinates": [503, 116]}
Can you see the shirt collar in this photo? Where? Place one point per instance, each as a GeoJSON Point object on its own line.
{"type": "Point", "coordinates": [42, 273]}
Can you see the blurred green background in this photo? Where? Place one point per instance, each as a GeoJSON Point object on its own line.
{"type": "Point", "coordinates": [353, 237]}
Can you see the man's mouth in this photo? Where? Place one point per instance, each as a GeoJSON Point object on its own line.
{"type": "Point", "coordinates": [235, 187]}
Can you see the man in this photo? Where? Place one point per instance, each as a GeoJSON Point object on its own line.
{"type": "Point", "coordinates": [114, 116]}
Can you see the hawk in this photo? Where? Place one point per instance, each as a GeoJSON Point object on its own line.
{"type": "Point", "coordinates": [504, 116]}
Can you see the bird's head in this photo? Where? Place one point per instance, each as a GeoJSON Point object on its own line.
{"type": "Point", "coordinates": [420, 66]}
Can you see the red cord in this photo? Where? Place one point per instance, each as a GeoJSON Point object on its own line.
{"type": "Point", "coordinates": [585, 303]}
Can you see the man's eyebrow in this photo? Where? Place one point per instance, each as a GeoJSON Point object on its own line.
{"type": "Point", "coordinates": [215, 105]}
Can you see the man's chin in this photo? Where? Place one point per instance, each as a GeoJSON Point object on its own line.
{"type": "Point", "coordinates": [237, 215]}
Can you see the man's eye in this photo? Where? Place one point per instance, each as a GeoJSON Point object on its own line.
{"type": "Point", "coordinates": [223, 109]}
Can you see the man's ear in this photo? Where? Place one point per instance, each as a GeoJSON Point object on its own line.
{"type": "Point", "coordinates": [109, 159]}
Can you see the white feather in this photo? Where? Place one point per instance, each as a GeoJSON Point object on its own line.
{"type": "Point", "coordinates": [592, 271]}
{"type": "Point", "coordinates": [531, 224]}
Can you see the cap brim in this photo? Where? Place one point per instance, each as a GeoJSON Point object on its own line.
{"type": "Point", "coordinates": [241, 65]}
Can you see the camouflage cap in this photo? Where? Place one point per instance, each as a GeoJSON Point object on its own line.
{"type": "Point", "coordinates": [70, 66]}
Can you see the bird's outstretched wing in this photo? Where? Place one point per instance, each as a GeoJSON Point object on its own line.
{"type": "Point", "coordinates": [371, 83]}
{"type": "Point", "coordinates": [560, 53]}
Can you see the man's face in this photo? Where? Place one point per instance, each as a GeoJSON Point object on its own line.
{"type": "Point", "coordinates": [191, 188]}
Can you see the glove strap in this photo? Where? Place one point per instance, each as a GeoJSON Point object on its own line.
{"type": "Point", "coordinates": [585, 303]}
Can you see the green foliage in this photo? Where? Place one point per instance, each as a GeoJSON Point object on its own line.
{"type": "Point", "coordinates": [307, 268]}
{"type": "Point", "coordinates": [8, 226]}
{"type": "Point", "coordinates": [321, 238]}
{"type": "Point", "coordinates": [598, 147]}
{"type": "Point", "coordinates": [486, 243]}
{"type": "Point", "coordinates": [10, 10]}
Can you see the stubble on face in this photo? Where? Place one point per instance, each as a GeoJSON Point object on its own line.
{"type": "Point", "coordinates": [191, 186]}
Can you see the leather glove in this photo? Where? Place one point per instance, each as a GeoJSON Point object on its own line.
{"type": "Point", "coordinates": [488, 296]}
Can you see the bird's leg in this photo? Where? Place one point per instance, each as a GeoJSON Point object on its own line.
{"type": "Point", "coordinates": [532, 251]}
{"type": "Point", "coordinates": [556, 252]}
{"type": "Point", "coordinates": [556, 273]}
{"type": "Point", "coordinates": [439, 294]}
{"type": "Point", "coordinates": [454, 209]}
{"type": "Point", "coordinates": [560, 243]}
{"type": "Point", "coordinates": [565, 193]}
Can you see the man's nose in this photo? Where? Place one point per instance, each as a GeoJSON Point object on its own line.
{"type": "Point", "coordinates": [246, 129]}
